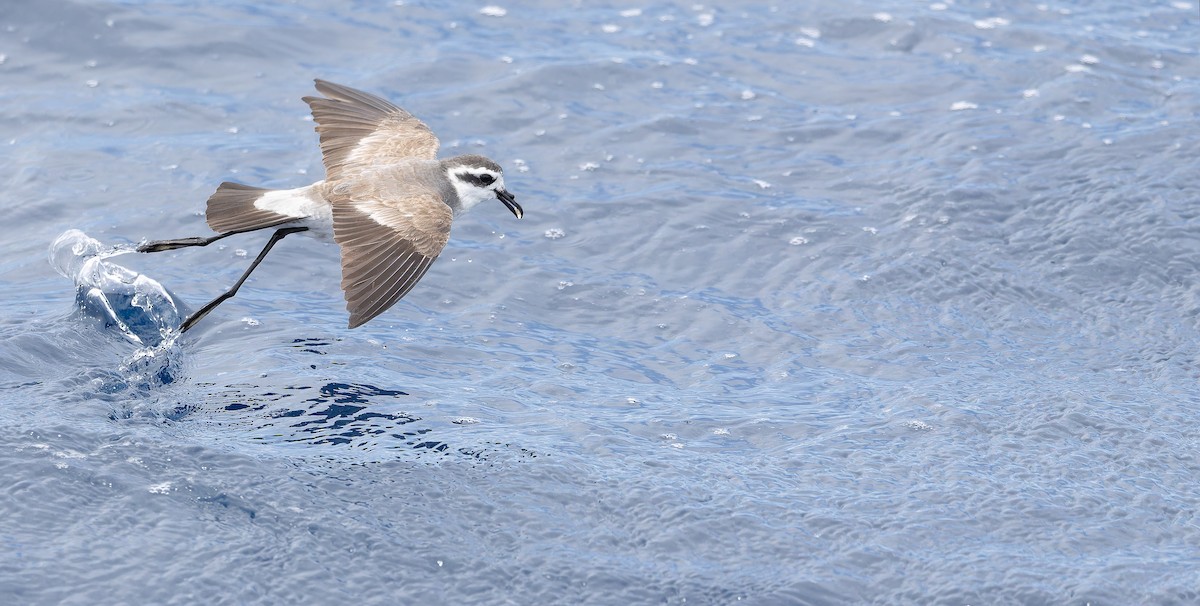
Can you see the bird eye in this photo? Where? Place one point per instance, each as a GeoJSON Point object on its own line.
{"type": "Point", "coordinates": [486, 179]}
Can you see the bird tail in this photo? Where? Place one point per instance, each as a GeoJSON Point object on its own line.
{"type": "Point", "coordinates": [232, 208]}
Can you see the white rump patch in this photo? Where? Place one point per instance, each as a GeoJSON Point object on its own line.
{"type": "Point", "coordinates": [302, 202]}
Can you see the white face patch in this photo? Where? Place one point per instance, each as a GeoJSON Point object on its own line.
{"type": "Point", "coordinates": [475, 184]}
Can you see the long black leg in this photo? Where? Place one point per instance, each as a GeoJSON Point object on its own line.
{"type": "Point", "coordinates": [161, 245]}
{"type": "Point", "coordinates": [277, 236]}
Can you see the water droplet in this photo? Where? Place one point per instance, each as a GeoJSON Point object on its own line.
{"type": "Point", "coordinates": [991, 22]}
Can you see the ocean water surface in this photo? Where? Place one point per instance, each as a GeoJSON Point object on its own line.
{"type": "Point", "coordinates": [812, 303]}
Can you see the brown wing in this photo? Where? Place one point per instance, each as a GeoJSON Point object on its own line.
{"type": "Point", "coordinates": [359, 129]}
{"type": "Point", "coordinates": [386, 248]}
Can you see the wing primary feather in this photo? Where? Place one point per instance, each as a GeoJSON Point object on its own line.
{"type": "Point", "coordinates": [386, 294]}
{"type": "Point", "coordinates": [379, 266]}
{"type": "Point", "coordinates": [369, 274]}
{"type": "Point", "coordinates": [367, 267]}
{"type": "Point", "coordinates": [345, 92]}
{"type": "Point", "coordinates": [358, 130]}
{"type": "Point", "coordinates": [385, 297]}
{"type": "Point", "coordinates": [411, 282]}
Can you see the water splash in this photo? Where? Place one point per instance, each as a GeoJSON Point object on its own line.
{"type": "Point", "coordinates": [141, 309]}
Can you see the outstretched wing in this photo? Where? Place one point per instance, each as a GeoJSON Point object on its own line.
{"type": "Point", "coordinates": [359, 129]}
{"type": "Point", "coordinates": [387, 246]}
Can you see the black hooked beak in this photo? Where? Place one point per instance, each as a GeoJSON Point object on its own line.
{"type": "Point", "coordinates": [510, 201]}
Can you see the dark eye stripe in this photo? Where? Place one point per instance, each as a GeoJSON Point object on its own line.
{"type": "Point", "coordinates": [477, 180]}
{"type": "Point", "coordinates": [469, 178]}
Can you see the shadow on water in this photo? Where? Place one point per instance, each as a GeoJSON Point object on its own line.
{"type": "Point", "coordinates": [337, 414]}
{"type": "Point", "coordinates": [336, 420]}
{"type": "Point", "coordinates": [356, 416]}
